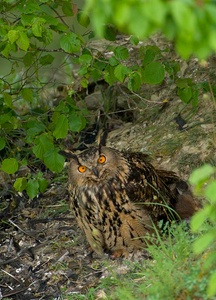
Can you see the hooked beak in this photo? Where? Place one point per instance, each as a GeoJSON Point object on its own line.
{"type": "Point", "coordinates": [95, 171]}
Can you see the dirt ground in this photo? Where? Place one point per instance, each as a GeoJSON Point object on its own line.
{"type": "Point", "coordinates": [43, 254]}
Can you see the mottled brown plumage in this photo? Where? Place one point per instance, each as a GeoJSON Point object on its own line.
{"type": "Point", "coordinates": [118, 196]}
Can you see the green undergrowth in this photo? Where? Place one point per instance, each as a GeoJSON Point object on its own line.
{"type": "Point", "coordinates": [173, 271]}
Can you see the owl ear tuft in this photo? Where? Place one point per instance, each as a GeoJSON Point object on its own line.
{"type": "Point", "coordinates": [102, 137]}
{"type": "Point", "coordinates": [67, 154]}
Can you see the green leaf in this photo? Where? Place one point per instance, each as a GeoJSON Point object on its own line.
{"type": "Point", "coordinates": [32, 188]}
{"type": "Point", "coordinates": [9, 165]}
{"type": "Point", "coordinates": [59, 27]}
{"type": "Point", "coordinates": [46, 59]}
{"type": "Point", "coordinates": [96, 74]}
{"type": "Point", "coordinates": [134, 81]}
{"type": "Point", "coordinates": [8, 48]}
{"type": "Point", "coordinates": [51, 20]}
{"type": "Point", "coordinates": [210, 260]}
{"type": "Point", "coordinates": [203, 242]}
{"type": "Point", "coordinates": [139, 24]}
{"type": "Point", "coordinates": [201, 174]}
{"type": "Point", "coordinates": [43, 183]}
{"type": "Point", "coordinates": [134, 40]}
{"type": "Point", "coordinates": [109, 75]}
{"type": "Point", "coordinates": [76, 122]}
{"type": "Point", "coordinates": [149, 56]}
{"type": "Point", "coordinates": [70, 43]}
{"type": "Point", "coordinates": [121, 53]}
{"type": "Point", "coordinates": [31, 7]}
{"type": "Point", "coordinates": [38, 26]}
{"type": "Point", "coordinates": [27, 94]}
{"type": "Point", "coordinates": [85, 59]}
{"type": "Point", "coordinates": [184, 17]}
{"type": "Point", "coordinates": [61, 127]}
{"type": "Point", "coordinates": [20, 184]}
{"type": "Point", "coordinates": [154, 73]}
{"type": "Point", "coordinates": [84, 82]}
{"type": "Point", "coordinates": [13, 35]}
{"type": "Point", "coordinates": [211, 290]}
{"type": "Point", "coordinates": [184, 82]}
{"type": "Point", "coordinates": [47, 36]}
{"type": "Point", "coordinates": [23, 41]}
{"type": "Point", "coordinates": [121, 71]}
{"type": "Point", "coordinates": [210, 192]}
{"type": "Point", "coordinates": [110, 32]}
{"type": "Point", "coordinates": [185, 94]}
{"type": "Point", "coordinates": [113, 61]}
{"type": "Point", "coordinates": [54, 161]}
{"type": "Point", "coordinates": [8, 100]}
{"type": "Point", "coordinates": [83, 19]}
{"type": "Point", "coordinates": [87, 51]}
{"type": "Point", "coordinates": [155, 11]}
{"type": "Point", "coordinates": [100, 65]}
{"type": "Point", "coordinates": [62, 108]}
{"type": "Point", "coordinates": [26, 19]}
{"type": "Point", "coordinates": [2, 143]}
{"type": "Point", "coordinates": [4, 118]}
{"type": "Point", "coordinates": [83, 70]}
{"type": "Point", "coordinates": [67, 9]}
{"type": "Point", "coordinates": [35, 127]}
{"type": "Point", "coordinates": [28, 59]}
{"type": "Point", "coordinates": [199, 218]}
{"type": "Point", "coordinates": [42, 144]}
{"type": "Point", "coordinates": [195, 97]}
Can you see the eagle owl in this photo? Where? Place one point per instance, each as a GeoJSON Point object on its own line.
{"type": "Point", "coordinates": [118, 198]}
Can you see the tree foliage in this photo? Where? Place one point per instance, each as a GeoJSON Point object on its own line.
{"type": "Point", "coordinates": [190, 24]}
{"type": "Point", "coordinates": [33, 36]}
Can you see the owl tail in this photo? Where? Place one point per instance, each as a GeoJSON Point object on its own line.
{"type": "Point", "coordinates": [185, 205]}
{"type": "Point", "coordinates": [184, 202]}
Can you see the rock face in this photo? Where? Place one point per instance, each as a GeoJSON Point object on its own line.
{"type": "Point", "coordinates": [168, 146]}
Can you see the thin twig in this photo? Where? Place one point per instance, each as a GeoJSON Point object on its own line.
{"type": "Point", "coordinates": [60, 17]}
{"type": "Point", "coordinates": [9, 274]}
{"type": "Point", "coordinates": [32, 236]}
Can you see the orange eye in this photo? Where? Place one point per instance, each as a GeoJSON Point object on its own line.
{"type": "Point", "coordinates": [102, 159]}
{"type": "Point", "coordinates": [82, 169]}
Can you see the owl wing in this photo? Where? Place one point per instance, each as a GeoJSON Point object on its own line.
{"type": "Point", "coordinates": [150, 187]}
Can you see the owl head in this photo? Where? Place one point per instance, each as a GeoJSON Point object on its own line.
{"type": "Point", "coordinates": [96, 165]}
